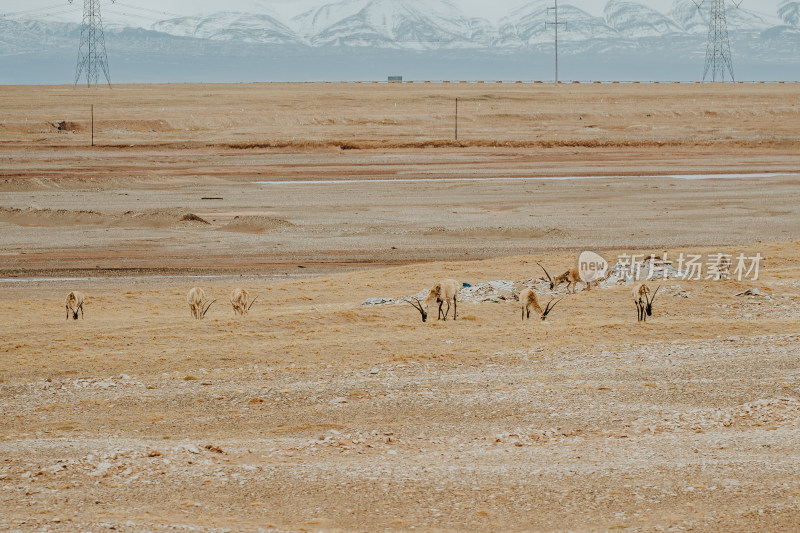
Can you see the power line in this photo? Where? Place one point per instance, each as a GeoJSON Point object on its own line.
{"type": "Point", "coordinates": [125, 13]}
{"type": "Point", "coordinates": [154, 11]}
{"type": "Point", "coordinates": [34, 10]}
{"type": "Point", "coordinates": [56, 13]}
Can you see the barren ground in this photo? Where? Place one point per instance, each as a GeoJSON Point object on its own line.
{"type": "Point", "coordinates": [317, 413]}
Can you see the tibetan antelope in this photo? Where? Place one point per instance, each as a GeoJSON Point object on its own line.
{"type": "Point", "coordinates": [528, 300]}
{"type": "Point", "coordinates": [571, 277]}
{"type": "Point", "coordinates": [239, 300]}
{"type": "Point", "coordinates": [442, 292]}
{"type": "Point", "coordinates": [74, 303]}
{"type": "Point", "coordinates": [196, 300]}
{"type": "Point", "coordinates": [643, 301]}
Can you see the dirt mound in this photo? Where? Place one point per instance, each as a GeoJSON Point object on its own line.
{"type": "Point", "coordinates": [28, 127]}
{"type": "Point", "coordinates": [100, 126]}
{"type": "Point", "coordinates": [49, 217]}
{"type": "Point", "coordinates": [255, 224]}
{"type": "Point", "coordinates": [65, 126]}
{"type": "Point", "coordinates": [191, 217]}
{"type": "Point", "coordinates": [154, 218]}
{"type": "Point", "coordinates": [158, 218]}
{"type": "Point", "coordinates": [112, 125]}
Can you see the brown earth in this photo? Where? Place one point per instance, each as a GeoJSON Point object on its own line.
{"type": "Point", "coordinates": [317, 413]}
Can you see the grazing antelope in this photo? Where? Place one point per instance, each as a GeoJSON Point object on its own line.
{"type": "Point", "coordinates": [643, 301]}
{"type": "Point", "coordinates": [571, 277]}
{"type": "Point", "coordinates": [239, 300]}
{"type": "Point", "coordinates": [196, 299]}
{"type": "Point", "coordinates": [527, 299]}
{"type": "Point", "coordinates": [442, 292]}
{"type": "Point", "coordinates": [74, 303]}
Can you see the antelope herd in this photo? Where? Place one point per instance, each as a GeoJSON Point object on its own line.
{"type": "Point", "coordinates": [444, 292]}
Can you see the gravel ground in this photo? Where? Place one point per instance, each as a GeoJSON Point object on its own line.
{"type": "Point", "coordinates": [281, 421]}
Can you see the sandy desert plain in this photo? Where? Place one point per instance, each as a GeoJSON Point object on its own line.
{"type": "Point", "coordinates": [315, 413]}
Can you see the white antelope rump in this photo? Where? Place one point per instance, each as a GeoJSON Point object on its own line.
{"type": "Point", "coordinates": [196, 300]}
{"type": "Point", "coordinates": [528, 300]}
{"type": "Point", "coordinates": [74, 303]}
{"type": "Point", "coordinates": [643, 301]}
{"type": "Point", "coordinates": [442, 292]}
{"type": "Point", "coordinates": [239, 301]}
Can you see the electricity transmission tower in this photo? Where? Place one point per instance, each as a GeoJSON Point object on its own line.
{"type": "Point", "coordinates": [555, 24]}
{"type": "Point", "coordinates": [718, 47]}
{"type": "Point", "coordinates": [92, 56]}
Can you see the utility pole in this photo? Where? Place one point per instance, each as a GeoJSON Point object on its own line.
{"type": "Point", "coordinates": [555, 24]}
{"type": "Point", "coordinates": [456, 118]}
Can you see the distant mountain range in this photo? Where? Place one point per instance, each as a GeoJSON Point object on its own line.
{"type": "Point", "coordinates": [369, 39]}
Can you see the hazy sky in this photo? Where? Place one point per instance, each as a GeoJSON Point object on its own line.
{"type": "Point", "coordinates": [489, 10]}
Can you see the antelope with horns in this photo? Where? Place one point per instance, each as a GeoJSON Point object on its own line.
{"type": "Point", "coordinates": [571, 277]}
{"type": "Point", "coordinates": [74, 303]}
{"type": "Point", "coordinates": [528, 300]}
{"type": "Point", "coordinates": [442, 292]}
{"type": "Point", "coordinates": [196, 300]}
{"type": "Point", "coordinates": [643, 301]}
{"type": "Point", "coordinates": [239, 301]}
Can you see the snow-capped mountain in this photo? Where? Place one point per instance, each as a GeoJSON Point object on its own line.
{"type": "Point", "coordinates": [634, 20]}
{"type": "Point", "coordinates": [30, 36]}
{"type": "Point", "coordinates": [531, 25]}
{"type": "Point", "coordinates": [438, 24]}
{"type": "Point", "coordinates": [243, 27]}
{"type": "Point", "coordinates": [405, 31]}
{"type": "Point", "coordinates": [789, 12]}
{"type": "Point", "coordinates": [393, 24]}
{"type": "Point", "coordinates": [695, 20]}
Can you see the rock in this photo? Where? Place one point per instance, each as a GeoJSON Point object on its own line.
{"type": "Point", "coordinates": [750, 292]}
{"type": "Point", "coordinates": [377, 301]}
{"type": "Point", "coordinates": [102, 470]}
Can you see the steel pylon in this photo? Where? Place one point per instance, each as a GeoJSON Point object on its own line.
{"type": "Point", "coordinates": [718, 47]}
{"type": "Point", "coordinates": [92, 56]}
